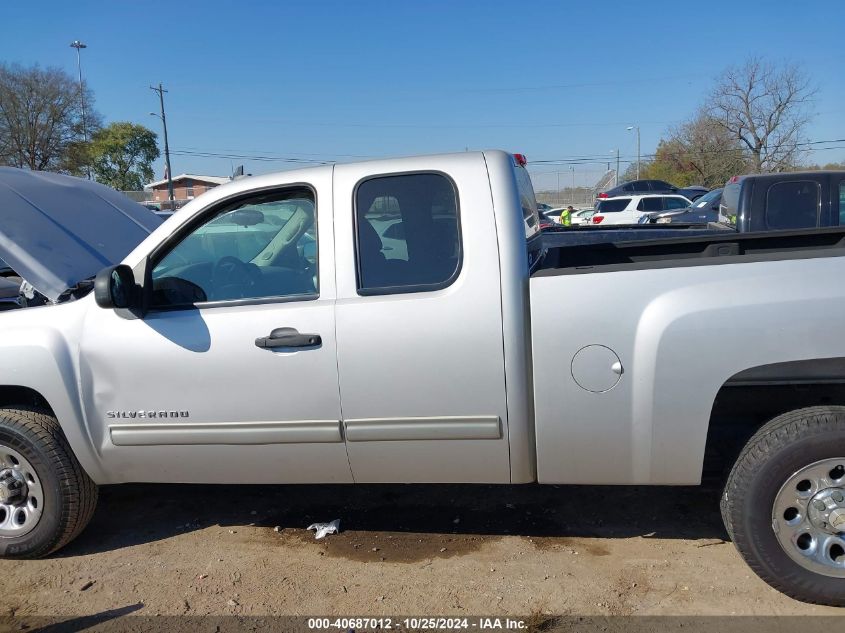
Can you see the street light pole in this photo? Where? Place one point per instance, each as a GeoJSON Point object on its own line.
{"type": "Point", "coordinates": [160, 90]}
{"type": "Point", "coordinates": [637, 128]}
{"type": "Point", "coordinates": [79, 45]}
{"type": "Point", "coordinates": [572, 169]}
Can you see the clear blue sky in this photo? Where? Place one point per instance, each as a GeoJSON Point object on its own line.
{"type": "Point", "coordinates": [335, 80]}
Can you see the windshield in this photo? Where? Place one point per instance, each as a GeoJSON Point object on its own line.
{"type": "Point", "coordinates": [707, 199]}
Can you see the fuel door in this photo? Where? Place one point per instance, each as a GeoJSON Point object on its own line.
{"type": "Point", "coordinates": [596, 368]}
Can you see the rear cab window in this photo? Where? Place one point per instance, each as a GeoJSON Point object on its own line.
{"type": "Point", "coordinates": [612, 205]}
{"type": "Point", "coordinates": [793, 205]}
{"type": "Point", "coordinates": [408, 234]}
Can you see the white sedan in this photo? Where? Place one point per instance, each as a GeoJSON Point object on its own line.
{"type": "Point", "coordinates": [579, 216]}
{"type": "Point", "coordinates": [629, 209]}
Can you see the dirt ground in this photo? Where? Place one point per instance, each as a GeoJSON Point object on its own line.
{"type": "Point", "coordinates": [409, 550]}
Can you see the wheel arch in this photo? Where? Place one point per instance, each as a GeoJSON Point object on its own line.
{"type": "Point", "coordinates": [752, 397]}
{"type": "Point", "coordinates": [42, 374]}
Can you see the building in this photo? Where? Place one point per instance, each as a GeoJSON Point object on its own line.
{"type": "Point", "coordinates": [185, 187]}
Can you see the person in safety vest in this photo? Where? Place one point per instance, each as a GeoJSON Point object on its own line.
{"type": "Point", "coordinates": [566, 216]}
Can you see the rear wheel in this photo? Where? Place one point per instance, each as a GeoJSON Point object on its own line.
{"type": "Point", "coordinates": [784, 504]}
{"type": "Point", "coordinates": [46, 499]}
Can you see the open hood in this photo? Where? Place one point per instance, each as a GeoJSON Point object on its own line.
{"type": "Point", "coordinates": [56, 231]}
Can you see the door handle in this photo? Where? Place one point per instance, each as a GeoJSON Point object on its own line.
{"type": "Point", "coordinates": [288, 337]}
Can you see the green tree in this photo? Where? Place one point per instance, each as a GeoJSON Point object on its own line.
{"type": "Point", "coordinates": [699, 152]}
{"type": "Point", "coordinates": [122, 155]}
{"type": "Point", "coordinates": [41, 124]}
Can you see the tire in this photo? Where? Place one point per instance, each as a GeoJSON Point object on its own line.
{"type": "Point", "coordinates": [69, 495]}
{"type": "Point", "coordinates": [779, 453]}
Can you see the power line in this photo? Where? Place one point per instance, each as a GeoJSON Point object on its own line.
{"type": "Point", "coordinates": [603, 158]}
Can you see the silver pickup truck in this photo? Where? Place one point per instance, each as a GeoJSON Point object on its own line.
{"type": "Point", "coordinates": [405, 321]}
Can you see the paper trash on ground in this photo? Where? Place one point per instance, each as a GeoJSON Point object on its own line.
{"type": "Point", "coordinates": [324, 529]}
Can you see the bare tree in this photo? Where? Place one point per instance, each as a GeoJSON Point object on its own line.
{"type": "Point", "coordinates": [41, 119]}
{"type": "Point", "coordinates": [766, 108]}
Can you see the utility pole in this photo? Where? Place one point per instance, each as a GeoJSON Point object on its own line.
{"type": "Point", "coordinates": [79, 45]}
{"type": "Point", "coordinates": [160, 90]}
{"type": "Point", "coordinates": [572, 169]}
{"type": "Point", "coordinates": [637, 128]}
{"type": "Point", "coordinates": [616, 174]}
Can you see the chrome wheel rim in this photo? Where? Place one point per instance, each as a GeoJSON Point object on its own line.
{"type": "Point", "coordinates": [808, 517]}
{"type": "Point", "coordinates": [21, 494]}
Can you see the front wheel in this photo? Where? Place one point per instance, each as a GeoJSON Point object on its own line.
{"type": "Point", "coordinates": [784, 504]}
{"type": "Point", "coordinates": [46, 499]}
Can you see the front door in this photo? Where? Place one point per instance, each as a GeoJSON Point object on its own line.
{"type": "Point", "coordinates": [419, 323]}
{"type": "Point", "coordinates": [198, 390]}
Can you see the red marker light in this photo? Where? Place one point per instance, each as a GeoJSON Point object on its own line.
{"type": "Point", "coordinates": [603, 195]}
{"type": "Point", "coordinates": [520, 159]}
{"type": "Point", "coordinates": [597, 219]}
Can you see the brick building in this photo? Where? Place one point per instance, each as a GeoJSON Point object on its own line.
{"type": "Point", "coordinates": [185, 187]}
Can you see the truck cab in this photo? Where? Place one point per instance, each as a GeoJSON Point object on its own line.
{"type": "Point", "coordinates": [785, 201]}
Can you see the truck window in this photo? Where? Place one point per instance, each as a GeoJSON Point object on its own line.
{"type": "Point", "coordinates": [792, 205]}
{"type": "Point", "coordinates": [412, 244]}
{"type": "Point", "coordinates": [842, 203]}
{"type": "Point", "coordinates": [613, 205]}
{"type": "Point", "coordinates": [259, 248]}
{"type": "Point", "coordinates": [730, 201]}
{"type": "Point", "coordinates": [528, 202]}
{"type": "Point", "coordinates": [650, 204]}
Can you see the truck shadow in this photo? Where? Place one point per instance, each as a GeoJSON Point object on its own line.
{"type": "Point", "coordinates": [133, 514]}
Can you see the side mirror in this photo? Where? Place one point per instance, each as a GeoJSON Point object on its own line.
{"type": "Point", "coordinates": [114, 287]}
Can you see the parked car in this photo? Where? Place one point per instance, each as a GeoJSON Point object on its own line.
{"type": "Point", "coordinates": [629, 209]}
{"type": "Point", "coordinates": [583, 216]}
{"type": "Point", "coordinates": [702, 211]}
{"type": "Point", "coordinates": [785, 201]}
{"type": "Point", "coordinates": [9, 294]}
{"type": "Point", "coordinates": [642, 187]}
{"type": "Point", "coordinates": [542, 207]}
{"type": "Point", "coordinates": [202, 361]}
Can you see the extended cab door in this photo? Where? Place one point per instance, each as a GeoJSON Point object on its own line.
{"type": "Point", "coordinates": [197, 389]}
{"type": "Point", "coordinates": [419, 321]}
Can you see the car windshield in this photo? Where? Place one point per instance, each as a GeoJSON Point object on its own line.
{"type": "Point", "coordinates": [707, 199]}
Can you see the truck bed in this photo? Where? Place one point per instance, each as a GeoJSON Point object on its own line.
{"type": "Point", "coordinates": [591, 250]}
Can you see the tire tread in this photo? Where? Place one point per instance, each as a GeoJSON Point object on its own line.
{"type": "Point", "coordinates": [79, 491]}
{"type": "Point", "coordinates": [763, 446]}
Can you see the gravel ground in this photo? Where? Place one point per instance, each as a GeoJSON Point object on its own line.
{"type": "Point", "coordinates": [409, 550]}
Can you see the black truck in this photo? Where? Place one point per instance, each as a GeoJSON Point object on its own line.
{"type": "Point", "coordinates": [784, 201]}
